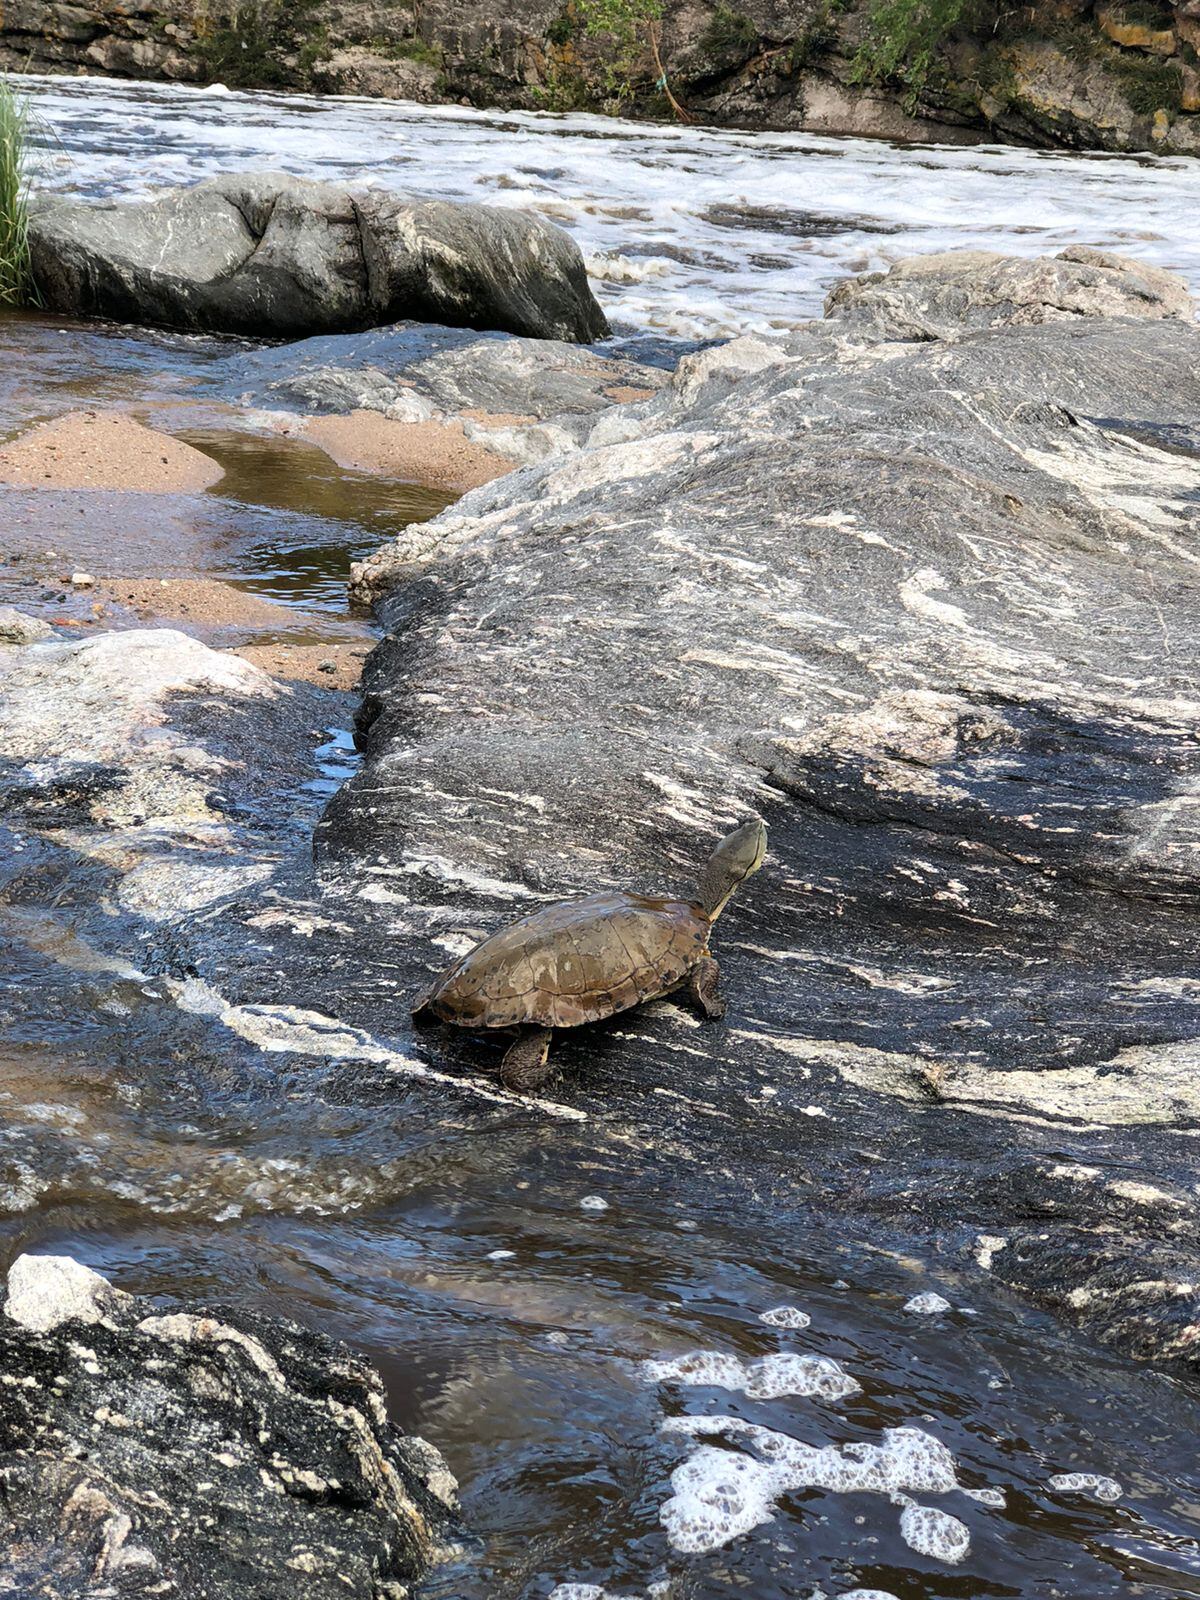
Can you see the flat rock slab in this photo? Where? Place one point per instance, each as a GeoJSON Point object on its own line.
{"type": "Point", "coordinates": [956, 292]}
{"type": "Point", "coordinates": [928, 608]}
{"type": "Point", "coordinates": [149, 1449]}
{"type": "Point", "coordinates": [522, 399]}
{"type": "Point", "coordinates": [268, 255]}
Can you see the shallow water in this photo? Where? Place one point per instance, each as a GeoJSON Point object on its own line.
{"type": "Point", "coordinates": [690, 231]}
{"type": "Point", "coordinates": [511, 1277]}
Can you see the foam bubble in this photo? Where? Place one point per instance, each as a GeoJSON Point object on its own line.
{"type": "Point", "coordinates": [934, 1533]}
{"type": "Point", "coordinates": [987, 1497]}
{"type": "Point", "coordinates": [928, 1304]}
{"type": "Point", "coordinates": [864, 1594]}
{"type": "Point", "coordinates": [785, 1317]}
{"type": "Point", "coordinates": [718, 1496]}
{"type": "Point", "coordinates": [594, 1202]}
{"type": "Point", "coordinates": [1093, 1483]}
{"type": "Point", "coordinates": [767, 1378]}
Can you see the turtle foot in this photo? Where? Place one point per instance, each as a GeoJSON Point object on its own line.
{"type": "Point", "coordinates": [525, 1065]}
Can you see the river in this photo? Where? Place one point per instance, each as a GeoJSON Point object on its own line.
{"type": "Point", "coordinates": [690, 232]}
{"type": "Point", "coordinates": [516, 1283]}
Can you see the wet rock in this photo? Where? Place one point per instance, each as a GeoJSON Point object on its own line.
{"type": "Point", "coordinates": [266, 254]}
{"type": "Point", "coordinates": [926, 607]}
{"type": "Point", "coordinates": [147, 1449]}
{"type": "Point", "coordinates": [17, 628]}
{"type": "Point", "coordinates": [523, 399]}
{"type": "Point", "coordinates": [945, 296]}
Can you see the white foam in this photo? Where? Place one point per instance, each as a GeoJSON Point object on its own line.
{"type": "Point", "coordinates": [717, 1496]}
{"type": "Point", "coordinates": [785, 1317]}
{"type": "Point", "coordinates": [928, 1304]}
{"type": "Point", "coordinates": [594, 1202]}
{"type": "Point", "coordinates": [1093, 1483]}
{"type": "Point", "coordinates": [765, 1378]}
{"type": "Point", "coordinates": [693, 231]}
{"type": "Point", "coordinates": [934, 1533]}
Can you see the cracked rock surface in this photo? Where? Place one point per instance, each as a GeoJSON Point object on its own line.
{"type": "Point", "coordinates": [267, 254]}
{"type": "Point", "coordinates": [201, 1453]}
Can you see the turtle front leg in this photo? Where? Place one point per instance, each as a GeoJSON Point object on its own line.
{"type": "Point", "coordinates": [525, 1066]}
{"type": "Point", "coordinates": [702, 987]}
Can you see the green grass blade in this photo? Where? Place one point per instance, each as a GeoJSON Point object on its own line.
{"type": "Point", "coordinates": [16, 280]}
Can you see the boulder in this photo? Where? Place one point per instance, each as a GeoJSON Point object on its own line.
{"type": "Point", "coordinates": [928, 608]}
{"type": "Point", "coordinates": [16, 627]}
{"type": "Point", "coordinates": [271, 256]}
{"type": "Point", "coordinates": [149, 1449]}
{"type": "Point", "coordinates": [944, 296]}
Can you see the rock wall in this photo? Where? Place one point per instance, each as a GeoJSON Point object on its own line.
{"type": "Point", "coordinates": [1080, 73]}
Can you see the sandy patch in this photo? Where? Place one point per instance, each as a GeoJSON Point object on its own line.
{"type": "Point", "coordinates": [334, 666]}
{"type": "Point", "coordinates": [625, 394]}
{"type": "Point", "coordinates": [435, 453]}
{"type": "Point", "coordinates": [496, 419]}
{"type": "Point", "coordinates": [105, 450]}
{"type": "Point", "coordinates": [208, 601]}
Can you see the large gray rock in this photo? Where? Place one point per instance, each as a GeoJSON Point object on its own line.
{"type": "Point", "coordinates": [961, 291]}
{"type": "Point", "coordinates": [150, 1450]}
{"type": "Point", "coordinates": [269, 255]}
{"type": "Point", "coordinates": [929, 608]}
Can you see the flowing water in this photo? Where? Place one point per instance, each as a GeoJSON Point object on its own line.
{"type": "Point", "coordinates": [691, 232]}
{"type": "Point", "coordinates": [537, 1297]}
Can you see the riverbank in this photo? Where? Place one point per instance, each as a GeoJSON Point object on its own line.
{"type": "Point", "coordinates": [1082, 75]}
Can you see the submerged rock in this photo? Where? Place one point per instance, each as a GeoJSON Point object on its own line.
{"type": "Point", "coordinates": [525, 400]}
{"type": "Point", "coordinates": [266, 254]}
{"type": "Point", "coordinates": [962, 291]}
{"type": "Point", "coordinates": [184, 1450]}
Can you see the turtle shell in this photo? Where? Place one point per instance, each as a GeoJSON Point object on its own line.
{"type": "Point", "coordinates": [578, 961]}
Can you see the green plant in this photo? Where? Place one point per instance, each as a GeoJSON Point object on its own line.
{"type": "Point", "coordinates": [16, 280]}
{"type": "Point", "coordinates": [1148, 83]}
{"type": "Point", "coordinates": [729, 32]}
{"type": "Point", "coordinates": [260, 44]}
{"type": "Point", "coordinates": [816, 39]}
{"type": "Point", "coordinates": [902, 41]}
{"type": "Point", "coordinates": [562, 30]}
{"type": "Point", "coordinates": [625, 24]}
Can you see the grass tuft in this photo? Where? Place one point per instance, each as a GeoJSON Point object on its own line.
{"type": "Point", "coordinates": [16, 279]}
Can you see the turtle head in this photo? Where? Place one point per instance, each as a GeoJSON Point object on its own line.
{"type": "Point", "coordinates": [730, 864]}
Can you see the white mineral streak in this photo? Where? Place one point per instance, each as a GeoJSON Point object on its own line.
{"type": "Point", "coordinates": [310, 1033]}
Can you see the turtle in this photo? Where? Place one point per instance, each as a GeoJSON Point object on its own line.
{"type": "Point", "coordinates": [583, 960]}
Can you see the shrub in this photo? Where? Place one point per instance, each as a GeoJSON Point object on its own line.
{"type": "Point", "coordinates": [903, 38]}
{"type": "Point", "coordinates": [729, 32]}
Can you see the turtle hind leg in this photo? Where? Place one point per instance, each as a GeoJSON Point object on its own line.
{"type": "Point", "coordinates": [525, 1065]}
{"type": "Point", "coordinates": [703, 990]}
